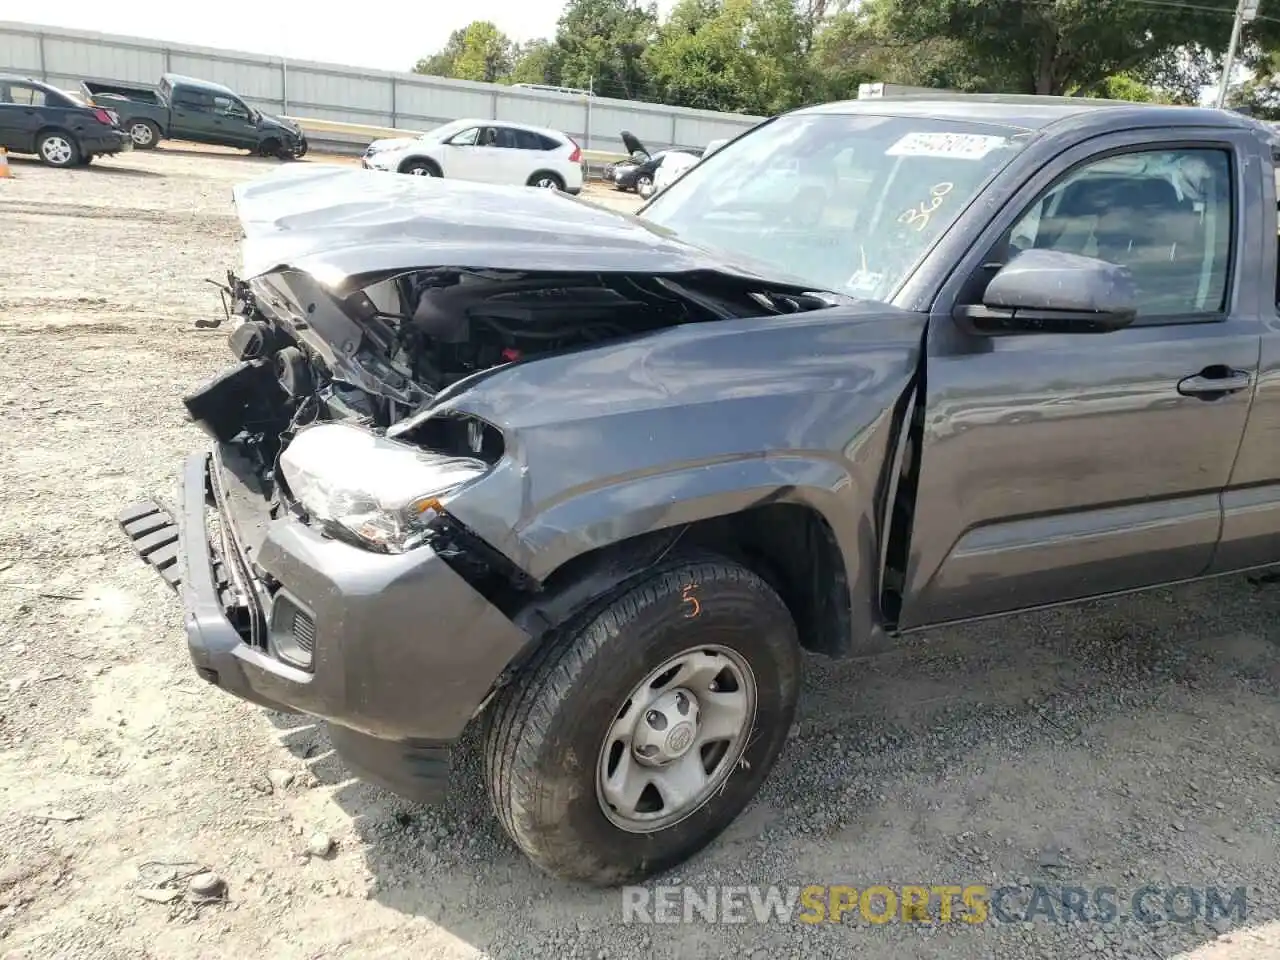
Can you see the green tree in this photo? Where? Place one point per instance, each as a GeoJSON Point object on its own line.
{"type": "Point", "coordinates": [478, 51]}
{"type": "Point", "coordinates": [1064, 46]}
{"type": "Point", "coordinates": [442, 62]}
{"type": "Point", "coordinates": [701, 58]}
{"type": "Point", "coordinates": [601, 45]}
{"type": "Point", "coordinates": [537, 61]}
{"type": "Point", "coordinates": [737, 55]}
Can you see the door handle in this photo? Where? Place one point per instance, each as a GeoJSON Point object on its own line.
{"type": "Point", "coordinates": [1214, 382]}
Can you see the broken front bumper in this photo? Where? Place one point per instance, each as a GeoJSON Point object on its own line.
{"type": "Point", "coordinates": [402, 650]}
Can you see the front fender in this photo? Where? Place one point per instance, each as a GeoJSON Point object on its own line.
{"type": "Point", "coordinates": [694, 423]}
{"type": "Point", "coordinates": [607, 515]}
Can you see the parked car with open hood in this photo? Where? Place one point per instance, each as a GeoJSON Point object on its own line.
{"type": "Point", "coordinates": [594, 480]}
{"type": "Point", "coordinates": [183, 108]}
{"type": "Point", "coordinates": [679, 162]}
{"type": "Point", "coordinates": [639, 171]}
{"type": "Point", "coordinates": [485, 151]}
{"type": "Point", "coordinates": [41, 119]}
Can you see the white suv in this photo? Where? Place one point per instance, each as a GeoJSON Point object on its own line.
{"type": "Point", "coordinates": [490, 151]}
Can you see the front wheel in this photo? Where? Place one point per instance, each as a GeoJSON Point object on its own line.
{"type": "Point", "coordinates": [58, 149]}
{"type": "Point", "coordinates": [641, 732]}
{"type": "Point", "coordinates": [644, 186]}
{"type": "Point", "coordinates": [420, 168]}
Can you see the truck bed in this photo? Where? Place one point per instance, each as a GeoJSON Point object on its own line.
{"type": "Point", "coordinates": [128, 91]}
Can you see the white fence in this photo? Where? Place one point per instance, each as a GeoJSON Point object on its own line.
{"type": "Point", "coordinates": [350, 94]}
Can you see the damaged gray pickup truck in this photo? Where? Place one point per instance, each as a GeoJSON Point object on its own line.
{"type": "Point", "coordinates": [594, 481]}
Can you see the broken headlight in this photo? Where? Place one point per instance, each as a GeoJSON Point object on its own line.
{"type": "Point", "coordinates": [383, 492]}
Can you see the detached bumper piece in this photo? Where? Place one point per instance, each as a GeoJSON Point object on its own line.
{"type": "Point", "coordinates": [153, 533]}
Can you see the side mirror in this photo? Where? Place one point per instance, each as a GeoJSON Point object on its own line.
{"type": "Point", "coordinates": [1047, 291]}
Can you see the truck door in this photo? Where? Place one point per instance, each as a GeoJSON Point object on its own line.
{"type": "Point", "coordinates": [192, 116]}
{"type": "Point", "coordinates": [1251, 502]}
{"type": "Point", "coordinates": [1060, 466]}
{"type": "Point", "coordinates": [232, 123]}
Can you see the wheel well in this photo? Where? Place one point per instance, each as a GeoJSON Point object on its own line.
{"type": "Point", "coordinates": [425, 161]}
{"type": "Point", "coordinates": [545, 173]}
{"type": "Point", "coordinates": [270, 143]}
{"type": "Point", "coordinates": [790, 546]}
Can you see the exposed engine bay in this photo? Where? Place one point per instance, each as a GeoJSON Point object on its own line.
{"type": "Point", "coordinates": [394, 344]}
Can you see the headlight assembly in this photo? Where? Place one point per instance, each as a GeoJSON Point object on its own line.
{"type": "Point", "coordinates": [383, 492]}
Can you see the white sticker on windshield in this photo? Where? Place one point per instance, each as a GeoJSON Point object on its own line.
{"type": "Point", "coordinates": [963, 146]}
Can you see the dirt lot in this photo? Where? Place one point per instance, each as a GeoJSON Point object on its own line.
{"type": "Point", "coordinates": [1122, 743]}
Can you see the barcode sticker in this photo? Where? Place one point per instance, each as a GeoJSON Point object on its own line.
{"type": "Point", "coordinates": [963, 146]}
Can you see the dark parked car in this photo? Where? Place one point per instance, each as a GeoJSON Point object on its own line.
{"type": "Point", "coordinates": [182, 108]}
{"type": "Point", "coordinates": [38, 118]}
{"type": "Point", "coordinates": [638, 171]}
{"type": "Point", "coordinates": [870, 368]}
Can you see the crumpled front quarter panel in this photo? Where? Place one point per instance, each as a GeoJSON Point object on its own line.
{"type": "Point", "coordinates": [693, 422]}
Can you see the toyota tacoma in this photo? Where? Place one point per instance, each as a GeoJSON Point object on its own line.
{"type": "Point", "coordinates": [595, 481]}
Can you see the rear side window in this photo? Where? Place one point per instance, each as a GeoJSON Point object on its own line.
{"type": "Point", "coordinates": [528, 140]}
{"type": "Point", "coordinates": [192, 100]}
{"type": "Point", "coordinates": [25, 96]}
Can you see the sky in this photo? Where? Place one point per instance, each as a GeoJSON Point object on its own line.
{"type": "Point", "coordinates": [384, 36]}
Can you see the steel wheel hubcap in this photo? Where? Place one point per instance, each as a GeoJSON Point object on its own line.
{"type": "Point", "coordinates": [57, 150]}
{"type": "Point", "coordinates": [676, 739]}
{"type": "Point", "coordinates": [420, 172]}
{"type": "Point", "coordinates": [547, 183]}
{"type": "Point", "coordinates": [141, 133]}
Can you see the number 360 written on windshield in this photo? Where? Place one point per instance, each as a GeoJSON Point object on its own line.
{"type": "Point", "coordinates": [918, 217]}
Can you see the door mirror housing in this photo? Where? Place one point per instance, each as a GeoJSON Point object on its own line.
{"type": "Point", "coordinates": [1048, 291]}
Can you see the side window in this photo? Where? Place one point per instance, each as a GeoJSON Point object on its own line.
{"type": "Point", "coordinates": [25, 96]}
{"type": "Point", "coordinates": [1275, 164]}
{"type": "Point", "coordinates": [192, 100]}
{"type": "Point", "coordinates": [1166, 215]}
{"type": "Point", "coordinates": [230, 108]}
{"type": "Point", "coordinates": [467, 138]}
{"type": "Point", "coordinates": [528, 140]}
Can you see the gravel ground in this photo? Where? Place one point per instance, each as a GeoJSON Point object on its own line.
{"type": "Point", "coordinates": [1120, 743]}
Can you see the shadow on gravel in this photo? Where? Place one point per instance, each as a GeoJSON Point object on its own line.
{"type": "Point", "coordinates": [1113, 744]}
{"type": "Point", "coordinates": [207, 153]}
{"type": "Point", "coordinates": [100, 167]}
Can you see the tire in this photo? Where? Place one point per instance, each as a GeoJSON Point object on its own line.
{"type": "Point", "coordinates": [58, 149]}
{"type": "Point", "coordinates": [144, 134]}
{"type": "Point", "coordinates": [545, 739]}
{"type": "Point", "coordinates": [420, 168]}
{"type": "Point", "coordinates": [547, 180]}
{"type": "Point", "coordinates": [269, 147]}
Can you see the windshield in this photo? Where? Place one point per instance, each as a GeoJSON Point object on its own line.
{"type": "Point", "coordinates": [437, 134]}
{"type": "Point", "coordinates": [848, 203]}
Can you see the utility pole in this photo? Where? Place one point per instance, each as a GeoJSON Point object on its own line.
{"type": "Point", "coordinates": [1246, 10]}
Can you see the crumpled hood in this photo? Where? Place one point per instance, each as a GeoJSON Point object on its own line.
{"type": "Point", "coordinates": [279, 123]}
{"type": "Point", "coordinates": [345, 225]}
